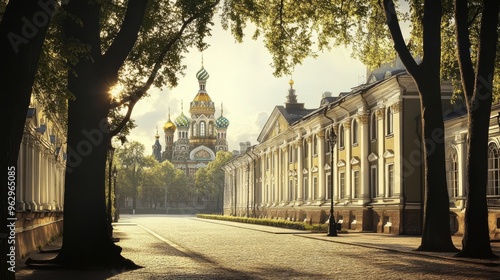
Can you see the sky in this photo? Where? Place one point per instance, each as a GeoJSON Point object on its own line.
{"type": "Point", "coordinates": [242, 79]}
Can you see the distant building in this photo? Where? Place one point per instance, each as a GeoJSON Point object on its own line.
{"type": "Point", "coordinates": [191, 143]}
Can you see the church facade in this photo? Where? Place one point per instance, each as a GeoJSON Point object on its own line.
{"type": "Point", "coordinates": [192, 142]}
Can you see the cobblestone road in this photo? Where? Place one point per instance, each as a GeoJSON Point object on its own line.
{"type": "Point", "coordinates": [184, 247]}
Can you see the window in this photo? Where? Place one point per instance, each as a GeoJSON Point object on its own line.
{"type": "Point", "coordinates": [354, 132]}
{"type": "Point", "coordinates": [290, 190]}
{"type": "Point", "coordinates": [452, 173]}
{"type": "Point", "coordinates": [315, 187]}
{"type": "Point", "coordinates": [268, 158]}
{"type": "Point", "coordinates": [210, 129]}
{"type": "Point", "coordinates": [355, 184]}
{"type": "Point", "coordinates": [202, 128]}
{"type": "Point", "coordinates": [390, 128]}
{"type": "Point", "coordinates": [305, 148]}
{"type": "Point", "coordinates": [290, 153]}
{"type": "Point", "coordinates": [493, 170]}
{"type": "Point", "coordinates": [373, 126]}
{"type": "Point", "coordinates": [327, 142]}
{"type": "Point", "coordinates": [328, 186]}
{"type": "Point", "coordinates": [341, 137]}
{"type": "Point", "coordinates": [306, 189]}
{"type": "Point", "coordinates": [315, 145]}
{"type": "Point", "coordinates": [195, 129]}
{"type": "Point", "coordinates": [342, 185]}
{"type": "Point", "coordinates": [373, 181]}
{"type": "Point", "coordinates": [390, 180]}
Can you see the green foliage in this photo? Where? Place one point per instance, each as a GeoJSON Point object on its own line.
{"type": "Point", "coordinates": [256, 221]}
{"type": "Point", "coordinates": [209, 180]}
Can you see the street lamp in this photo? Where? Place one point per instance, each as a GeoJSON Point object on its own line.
{"type": "Point", "coordinates": [115, 174]}
{"type": "Point", "coordinates": [332, 140]}
{"type": "Point", "coordinates": [111, 152]}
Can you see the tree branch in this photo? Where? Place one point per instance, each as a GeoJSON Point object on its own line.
{"type": "Point", "coordinates": [463, 52]}
{"type": "Point", "coordinates": [136, 95]}
{"type": "Point", "coordinates": [397, 37]}
{"type": "Point", "coordinates": [126, 37]}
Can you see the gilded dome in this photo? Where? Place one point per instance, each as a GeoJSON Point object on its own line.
{"type": "Point", "coordinates": [202, 97]}
{"type": "Point", "coordinates": [182, 121]}
{"type": "Point", "coordinates": [169, 125]}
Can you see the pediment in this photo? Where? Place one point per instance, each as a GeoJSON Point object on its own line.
{"type": "Point", "coordinates": [341, 163]}
{"type": "Point", "coordinates": [372, 157]}
{"type": "Point", "coordinates": [388, 153]}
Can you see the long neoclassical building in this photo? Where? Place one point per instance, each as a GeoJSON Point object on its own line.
{"type": "Point", "coordinates": [40, 181]}
{"type": "Point", "coordinates": [378, 174]}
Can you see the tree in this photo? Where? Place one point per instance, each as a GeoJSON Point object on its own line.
{"type": "Point", "coordinates": [477, 86]}
{"type": "Point", "coordinates": [133, 164]}
{"type": "Point", "coordinates": [106, 40]}
{"type": "Point", "coordinates": [22, 35]}
{"type": "Point", "coordinates": [289, 32]}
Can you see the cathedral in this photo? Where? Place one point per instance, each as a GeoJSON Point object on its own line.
{"type": "Point", "coordinates": [197, 139]}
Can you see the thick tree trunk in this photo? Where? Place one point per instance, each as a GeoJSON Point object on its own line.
{"type": "Point", "coordinates": [478, 91]}
{"type": "Point", "coordinates": [436, 235]}
{"type": "Point", "coordinates": [21, 40]}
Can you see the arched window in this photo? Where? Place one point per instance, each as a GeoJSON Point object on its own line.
{"type": "Point", "coordinates": [354, 132]}
{"type": "Point", "coordinates": [210, 129]}
{"type": "Point", "coordinates": [341, 137]}
{"type": "Point", "coordinates": [493, 170]}
{"type": "Point", "coordinates": [373, 126]}
{"type": "Point", "coordinates": [390, 125]}
{"type": "Point", "coordinates": [452, 173]}
{"type": "Point", "coordinates": [195, 129]}
{"type": "Point", "coordinates": [202, 128]}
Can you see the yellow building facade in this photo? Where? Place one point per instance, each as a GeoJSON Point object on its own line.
{"type": "Point", "coordinates": [376, 160]}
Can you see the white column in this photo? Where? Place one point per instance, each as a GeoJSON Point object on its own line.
{"type": "Point", "coordinates": [20, 171]}
{"type": "Point", "coordinates": [364, 142]}
{"type": "Point", "coordinates": [397, 108]}
{"type": "Point", "coordinates": [309, 168]}
{"type": "Point", "coordinates": [321, 165]}
{"type": "Point", "coordinates": [36, 176]}
{"type": "Point", "coordinates": [380, 147]}
{"type": "Point", "coordinates": [300, 175]}
{"type": "Point", "coordinates": [275, 172]}
{"type": "Point", "coordinates": [461, 160]}
{"type": "Point", "coordinates": [347, 147]}
{"type": "Point", "coordinates": [30, 195]}
{"type": "Point", "coordinates": [335, 168]}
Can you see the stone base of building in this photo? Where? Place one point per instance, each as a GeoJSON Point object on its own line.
{"type": "Point", "coordinates": [36, 229]}
{"type": "Point", "coordinates": [361, 219]}
{"type": "Point", "coordinates": [457, 223]}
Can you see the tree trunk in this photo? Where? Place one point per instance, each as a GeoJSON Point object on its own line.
{"type": "Point", "coordinates": [86, 240]}
{"type": "Point", "coordinates": [21, 41]}
{"type": "Point", "coordinates": [478, 92]}
{"type": "Point", "coordinates": [436, 235]}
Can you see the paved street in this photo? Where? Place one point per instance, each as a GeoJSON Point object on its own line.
{"type": "Point", "coordinates": [185, 247]}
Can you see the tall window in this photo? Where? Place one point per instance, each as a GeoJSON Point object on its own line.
{"type": "Point", "coordinates": [290, 153]}
{"type": "Point", "coordinates": [341, 136]}
{"type": "Point", "coordinates": [355, 184]}
{"type": "Point", "coordinates": [305, 148]}
{"type": "Point", "coordinates": [328, 186]}
{"type": "Point", "coordinates": [373, 126]}
{"type": "Point", "coordinates": [390, 180]}
{"type": "Point", "coordinates": [306, 189]}
{"type": "Point", "coordinates": [453, 175]}
{"type": "Point", "coordinates": [195, 129]}
{"type": "Point", "coordinates": [373, 181]}
{"type": "Point", "coordinates": [202, 128]}
{"type": "Point", "coordinates": [210, 129]}
{"type": "Point", "coordinates": [342, 185]}
{"type": "Point", "coordinates": [290, 190]}
{"type": "Point", "coordinates": [315, 145]}
{"type": "Point", "coordinates": [354, 132]}
{"type": "Point", "coordinates": [390, 126]}
{"type": "Point", "coordinates": [315, 187]}
{"type": "Point", "coordinates": [327, 143]}
{"type": "Point", "coordinates": [493, 170]}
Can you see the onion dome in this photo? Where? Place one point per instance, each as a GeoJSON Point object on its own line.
{"type": "Point", "coordinates": [221, 121]}
{"type": "Point", "coordinates": [169, 125]}
{"type": "Point", "coordinates": [202, 74]}
{"type": "Point", "coordinates": [182, 121]}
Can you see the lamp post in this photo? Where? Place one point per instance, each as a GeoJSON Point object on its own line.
{"type": "Point", "coordinates": [332, 140]}
{"type": "Point", "coordinates": [115, 174]}
{"type": "Point", "coordinates": [111, 152]}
